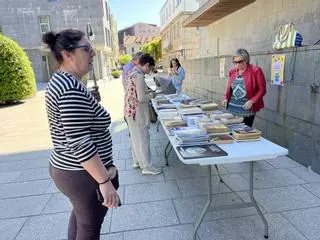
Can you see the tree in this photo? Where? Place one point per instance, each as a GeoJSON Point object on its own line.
{"type": "Point", "coordinates": [124, 59]}
{"type": "Point", "coordinates": [153, 48]}
{"type": "Point", "coordinates": [17, 79]}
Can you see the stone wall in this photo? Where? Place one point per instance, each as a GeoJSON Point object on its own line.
{"type": "Point", "coordinates": [291, 117]}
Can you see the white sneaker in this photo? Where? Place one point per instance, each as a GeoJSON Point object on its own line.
{"type": "Point", "coordinates": [151, 171]}
{"type": "Point", "coordinates": [136, 165]}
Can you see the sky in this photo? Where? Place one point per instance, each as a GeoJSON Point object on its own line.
{"type": "Point", "coordinates": [129, 12]}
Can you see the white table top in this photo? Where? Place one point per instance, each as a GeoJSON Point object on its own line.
{"type": "Point", "coordinates": [237, 151]}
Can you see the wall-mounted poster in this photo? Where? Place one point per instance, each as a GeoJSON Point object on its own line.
{"type": "Point", "coordinates": [277, 69]}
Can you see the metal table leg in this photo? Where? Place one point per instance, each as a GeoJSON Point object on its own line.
{"type": "Point", "coordinates": [253, 200]}
{"type": "Point", "coordinates": [166, 155]}
{"type": "Point", "coordinates": [158, 125]}
{"type": "Point", "coordinates": [205, 209]}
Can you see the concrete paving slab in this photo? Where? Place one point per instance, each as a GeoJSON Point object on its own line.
{"type": "Point", "coordinates": [135, 176]}
{"type": "Point", "coordinates": [9, 228]}
{"type": "Point", "coordinates": [11, 166]}
{"type": "Point", "coordinates": [306, 221]}
{"type": "Point", "coordinates": [283, 162]}
{"type": "Point", "coordinates": [250, 228]}
{"type": "Point", "coordinates": [22, 206]}
{"type": "Point", "coordinates": [143, 215]}
{"type": "Point", "coordinates": [286, 198]}
{"type": "Point", "coordinates": [244, 167]}
{"type": "Point", "coordinates": [6, 177]}
{"type": "Point", "coordinates": [51, 226]}
{"type": "Point", "coordinates": [307, 175]}
{"type": "Point", "coordinates": [274, 178]}
{"type": "Point", "coordinates": [179, 232]}
{"type": "Point", "coordinates": [20, 189]}
{"type": "Point", "coordinates": [57, 203]}
{"type": "Point", "coordinates": [313, 188]}
{"type": "Point", "coordinates": [34, 174]}
{"type": "Point", "coordinates": [200, 186]}
{"type": "Point", "coordinates": [36, 163]}
{"type": "Point", "coordinates": [188, 209]}
{"type": "Point", "coordinates": [154, 191]}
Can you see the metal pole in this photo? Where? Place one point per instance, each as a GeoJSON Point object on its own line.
{"type": "Point", "coordinates": [90, 36]}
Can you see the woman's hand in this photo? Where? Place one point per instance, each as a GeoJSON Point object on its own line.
{"type": "Point", "coordinates": [248, 105]}
{"type": "Point", "coordinates": [109, 194]}
{"type": "Point", "coordinates": [224, 102]}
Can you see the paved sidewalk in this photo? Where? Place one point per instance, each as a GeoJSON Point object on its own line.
{"type": "Point", "coordinates": [162, 207]}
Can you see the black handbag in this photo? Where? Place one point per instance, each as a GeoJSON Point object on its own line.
{"type": "Point", "coordinates": [95, 92]}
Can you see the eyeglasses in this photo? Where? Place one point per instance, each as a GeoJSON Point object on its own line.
{"type": "Point", "coordinates": [238, 62]}
{"type": "Point", "coordinates": [88, 48]}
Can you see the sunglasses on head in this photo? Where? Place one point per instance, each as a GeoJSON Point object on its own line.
{"type": "Point", "coordinates": [238, 62]}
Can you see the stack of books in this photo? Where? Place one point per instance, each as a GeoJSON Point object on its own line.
{"type": "Point", "coordinates": [168, 114]}
{"type": "Point", "coordinates": [232, 120]}
{"type": "Point", "coordinates": [177, 98]}
{"type": "Point", "coordinates": [162, 101]}
{"type": "Point", "coordinates": [222, 139]}
{"type": "Point", "coordinates": [173, 123]}
{"type": "Point", "coordinates": [217, 129]}
{"type": "Point", "coordinates": [222, 115]}
{"type": "Point", "coordinates": [166, 106]}
{"type": "Point", "coordinates": [200, 102]}
{"type": "Point", "coordinates": [182, 105]}
{"type": "Point", "coordinates": [247, 134]}
{"type": "Point", "coordinates": [193, 119]}
{"type": "Point", "coordinates": [188, 101]}
{"type": "Point", "coordinates": [190, 111]}
{"type": "Point", "coordinates": [237, 126]}
{"type": "Point", "coordinates": [205, 121]}
{"type": "Point", "coordinates": [209, 106]}
{"type": "Point", "coordinates": [191, 136]}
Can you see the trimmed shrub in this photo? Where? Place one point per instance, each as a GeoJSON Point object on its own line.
{"type": "Point", "coordinates": [17, 79]}
{"type": "Point", "coordinates": [115, 74]}
{"type": "Point", "coordinates": [124, 59]}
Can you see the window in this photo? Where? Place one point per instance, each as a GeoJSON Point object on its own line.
{"type": "Point", "coordinates": [44, 24]}
{"type": "Point", "coordinates": [132, 49]}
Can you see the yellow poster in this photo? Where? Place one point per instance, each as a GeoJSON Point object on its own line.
{"type": "Point", "coordinates": [277, 69]}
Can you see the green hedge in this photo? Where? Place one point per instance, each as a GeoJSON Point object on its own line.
{"type": "Point", "coordinates": [17, 79]}
{"type": "Point", "coordinates": [115, 74]}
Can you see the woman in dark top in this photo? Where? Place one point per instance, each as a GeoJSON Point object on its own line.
{"type": "Point", "coordinates": [81, 160]}
{"type": "Point", "coordinates": [246, 88]}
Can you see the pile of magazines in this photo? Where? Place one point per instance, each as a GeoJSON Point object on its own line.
{"type": "Point", "coordinates": [191, 136]}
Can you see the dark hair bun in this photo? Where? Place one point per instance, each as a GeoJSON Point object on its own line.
{"type": "Point", "coordinates": [50, 38]}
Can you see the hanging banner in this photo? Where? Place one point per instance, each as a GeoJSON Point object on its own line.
{"type": "Point", "coordinates": [277, 69]}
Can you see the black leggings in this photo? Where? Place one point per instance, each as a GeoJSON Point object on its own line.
{"type": "Point", "coordinates": [249, 120]}
{"type": "Point", "coordinates": [88, 213]}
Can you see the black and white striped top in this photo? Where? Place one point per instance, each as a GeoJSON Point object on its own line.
{"type": "Point", "coordinates": [78, 124]}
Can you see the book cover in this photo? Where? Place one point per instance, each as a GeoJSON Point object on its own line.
{"type": "Point", "coordinates": [202, 151]}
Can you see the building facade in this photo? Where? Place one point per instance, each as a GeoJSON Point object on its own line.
{"type": "Point", "coordinates": [134, 44]}
{"type": "Point", "coordinates": [291, 116]}
{"type": "Point", "coordinates": [114, 37]}
{"type": "Point", "coordinates": [138, 30]}
{"type": "Point", "coordinates": [177, 41]}
{"type": "Point", "coordinates": [26, 22]}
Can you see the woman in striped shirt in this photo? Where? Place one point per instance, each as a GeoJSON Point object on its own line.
{"type": "Point", "coordinates": [81, 161]}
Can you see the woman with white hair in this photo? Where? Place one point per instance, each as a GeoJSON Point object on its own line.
{"type": "Point", "coordinates": [246, 88]}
